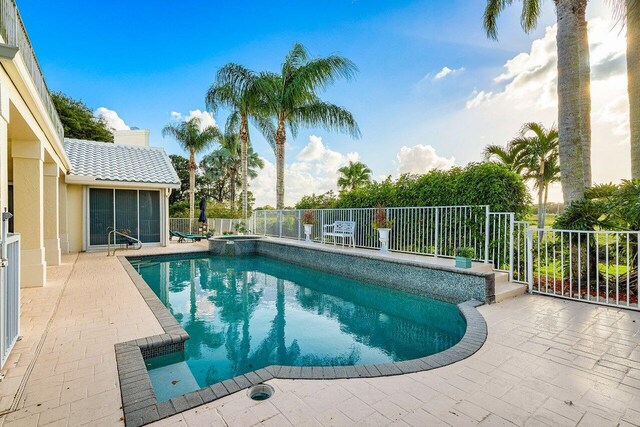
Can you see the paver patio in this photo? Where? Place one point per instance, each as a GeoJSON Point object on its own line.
{"type": "Point", "coordinates": [546, 362]}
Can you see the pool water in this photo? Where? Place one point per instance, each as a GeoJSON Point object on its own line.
{"type": "Point", "coordinates": [245, 313]}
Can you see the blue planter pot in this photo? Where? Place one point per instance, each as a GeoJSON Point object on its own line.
{"type": "Point", "coordinates": [462, 262]}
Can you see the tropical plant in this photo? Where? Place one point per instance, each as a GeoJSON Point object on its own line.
{"type": "Point", "coordinates": [380, 219]}
{"type": "Point", "coordinates": [574, 142]}
{"type": "Point", "coordinates": [236, 88]}
{"type": "Point", "coordinates": [308, 217]}
{"type": "Point", "coordinates": [78, 120]}
{"type": "Point", "coordinates": [508, 156]}
{"type": "Point", "coordinates": [537, 150]}
{"type": "Point", "coordinates": [465, 252]}
{"type": "Point", "coordinates": [225, 165]}
{"type": "Point", "coordinates": [354, 175]}
{"type": "Point", "coordinates": [292, 100]}
{"type": "Point", "coordinates": [326, 200]}
{"type": "Point", "coordinates": [194, 140]}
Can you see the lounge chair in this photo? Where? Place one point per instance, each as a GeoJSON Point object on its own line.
{"type": "Point", "coordinates": [185, 236]}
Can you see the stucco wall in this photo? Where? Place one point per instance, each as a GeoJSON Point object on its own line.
{"type": "Point", "coordinates": [74, 217]}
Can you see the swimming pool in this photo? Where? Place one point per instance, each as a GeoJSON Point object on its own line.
{"type": "Point", "coordinates": [245, 313]}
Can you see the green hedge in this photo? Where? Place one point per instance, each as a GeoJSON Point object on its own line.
{"type": "Point", "coordinates": [476, 184]}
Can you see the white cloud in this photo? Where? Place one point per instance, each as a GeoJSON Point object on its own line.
{"type": "Point", "coordinates": [446, 71]}
{"type": "Point", "coordinates": [315, 170]}
{"type": "Point", "coordinates": [421, 159]}
{"type": "Point", "coordinates": [111, 118]}
{"type": "Point", "coordinates": [206, 118]}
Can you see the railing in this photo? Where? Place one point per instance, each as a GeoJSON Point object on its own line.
{"type": "Point", "coordinates": [119, 240]}
{"type": "Point", "coordinates": [594, 266]}
{"type": "Point", "coordinates": [14, 33]}
{"type": "Point", "coordinates": [9, 296]}
{"type": "Point", "coordinates": [430, 230]}
{"type": "Point", "coordinates": [217, 226]}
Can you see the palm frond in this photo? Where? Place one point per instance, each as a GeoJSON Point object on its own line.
{"type": "Point", "coordinates": [491, 13]}
{"type": "Point", "coordinates": [328, 116]}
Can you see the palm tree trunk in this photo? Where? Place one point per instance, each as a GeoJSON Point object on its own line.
{"type": "Point", "coordinates": [569, 138]}
{"type": "Point", "coordinates": [546, 200]}
{"type": "Point", "coordinates": [192, 188]}
{"type": "Point", "coordinates": [244, 139]}
{"type": "Point", "coordinates": [281, 137]}
{"type": "Point", "coordinates": [633, 89]}
{"type": "Point", "coordinates": [585, 94]}
{"type": "Point", "coordinates": [232, 190]}
{"type": "Point", "coordinates": [541, 204]}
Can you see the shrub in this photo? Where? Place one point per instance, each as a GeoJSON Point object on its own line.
{"type": "Point", "coordinates": [465, 252]}
{"type": "Point", "coordinates": [308, 218]}
{"type": "Point", "coordinates": [380, 220]}
{"type": "Point", "coordinates": [477, 184]}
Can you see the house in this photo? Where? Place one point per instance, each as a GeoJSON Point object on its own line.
{"type": "Point", "coordinates": [123, 185]}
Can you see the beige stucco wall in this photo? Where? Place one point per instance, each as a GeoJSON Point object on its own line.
{"type": "Point", "coordinates": [74, 217]}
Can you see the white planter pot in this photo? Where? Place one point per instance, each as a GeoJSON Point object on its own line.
{"type": "Point", "coordinates": [383, 236]}
{"type": "Point", "coordinates": [307, 232]}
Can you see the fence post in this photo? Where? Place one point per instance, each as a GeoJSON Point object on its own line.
{"type": "Point", "coordinates": [299, 220]}
{"type": "Point", "coordinates": [486, 235]}
{"type": "Point", "coordinates": [437, 232]}
{"type": "Point", "coordinates": [529, 250]}
{"type": "Point", "coordinates": [511, 228]}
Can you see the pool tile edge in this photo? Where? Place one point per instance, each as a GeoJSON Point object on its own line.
{"type": "Point", "coordinates": [141, 407]}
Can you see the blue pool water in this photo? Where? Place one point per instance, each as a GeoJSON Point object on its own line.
{"type": "Point", "coordinates": [245, 313]}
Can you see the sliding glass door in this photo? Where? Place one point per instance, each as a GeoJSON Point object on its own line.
{"type": "Point", "coordinates": [136, 212]}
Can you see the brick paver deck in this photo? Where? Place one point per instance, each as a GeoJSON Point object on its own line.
{"type": "Point", "coordinates": [546, 362]}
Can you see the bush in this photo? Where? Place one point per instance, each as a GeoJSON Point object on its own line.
{"type": "Point", "coordinates": [214, 210]}
{"type": "Point", "coordinates": [477, 184]}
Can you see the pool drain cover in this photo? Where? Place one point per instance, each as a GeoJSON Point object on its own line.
{"type": "Point", "coordinates": [261, 392]}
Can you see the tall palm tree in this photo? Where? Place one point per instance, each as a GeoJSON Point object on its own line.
{"type": "Point", "coordinates": [235, 88]}
{"type": "Point", "coordinates": [538, 148]}
{"type": "Point", "coordinates": [354, 175]}
{"type": "Point", "coordinates": [573, 85]}
{"type": "Point", "coordinates": [292, 99]}
{"type": "Point", "coordinates": [628, 13]}
{"type": "Point", "coordinates": [509, 156]}
{"type": "Point", "coordinates": [194, 140]}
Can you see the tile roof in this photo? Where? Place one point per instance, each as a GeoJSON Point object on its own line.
{"type": "Point", "coordinates": [105, 161]}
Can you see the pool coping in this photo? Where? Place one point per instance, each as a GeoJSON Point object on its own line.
{"type": "Point", "coordinates": [141, 407]}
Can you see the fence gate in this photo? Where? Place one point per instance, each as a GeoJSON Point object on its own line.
{"type": "Point", "coordinates": [9, 289]}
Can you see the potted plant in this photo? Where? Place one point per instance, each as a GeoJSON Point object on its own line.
{"type": "Point", "coordinates": [383, 225]}
{"type": "Point", "coordinates": [308, 220]}
{"type": "Point", "coordinates": [240, 228]}
{"type": "Point", "coordinates": [464, 256]}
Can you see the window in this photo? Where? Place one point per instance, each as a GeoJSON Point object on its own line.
{"type": "Point", "coordinates": [137, 211]}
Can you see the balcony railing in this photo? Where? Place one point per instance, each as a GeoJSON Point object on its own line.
{"type": "Point", "coordinates": [13, 32]}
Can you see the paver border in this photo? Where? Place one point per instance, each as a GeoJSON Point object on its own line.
{"type": "Point", "coordinates": [141, 407]}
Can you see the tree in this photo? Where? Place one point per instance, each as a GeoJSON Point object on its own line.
{"type": "Point", "coordinates": [537, 149]}
{"type": "Point", "coordinates": [78, 120]}
{"type": "Point", "coordinates": [225, 164]}
{"type": "Point", "coordinates": [292, 99]}
{"type": "Point", "coordinates": [354, 175]}
{"type": "Point", "coordinates": [181, 166]}
{"type": "Point", "coordinates": [194, 140]}
{"type": "Point", "coordinates": [573, 85]}
{"type": "Point", "coordinates": [628, 12]}
{"type": "Point", "coordinates": [236, 88]}
{"type": "Point", "coordinates": [508, 156]}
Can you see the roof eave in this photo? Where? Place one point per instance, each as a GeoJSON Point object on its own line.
{"type": "Point", "coordinates": [90, 180]}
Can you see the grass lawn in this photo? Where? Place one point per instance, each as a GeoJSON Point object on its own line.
{"type": "Point", "coordinates": [548, 221]}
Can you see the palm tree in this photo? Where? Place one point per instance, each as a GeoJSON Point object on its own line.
{"type": "Point", "coordinates": [235, 88]}
{"type": "Point", "coordinates": [508, 156]}
{"type": "Point", "coordinates": [538, 151]}
{"type": "Point", "coordinates": [226, 163]}
{"type": "Point", "coordinates": [354, 175]}
{"type": "Point", "coordinates": [573, 85]}
{"type": "Point", "coordinates": [628, 12]}
{"type": "Point", "coordinates": [194, 140]}
{"type": "Point", "coordinates": [292, 99]}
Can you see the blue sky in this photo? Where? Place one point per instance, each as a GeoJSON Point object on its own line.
{"type": "Point", "coordinates": [147, 59]}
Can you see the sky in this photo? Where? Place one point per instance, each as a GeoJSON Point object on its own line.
{"type": "Point", "coordinates": [431, 92]}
